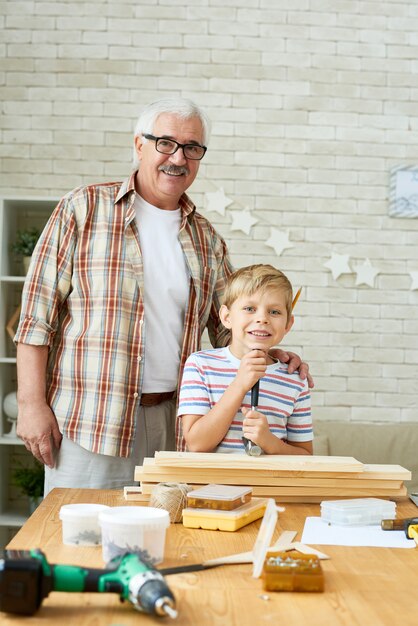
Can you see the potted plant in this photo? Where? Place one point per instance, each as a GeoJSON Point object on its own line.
{"type": "Point", "coordinates": [30, 481]}
{"type": "Point", "coordinates": [25, 243]}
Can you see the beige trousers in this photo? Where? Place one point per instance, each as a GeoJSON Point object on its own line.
{"type": "Point", "coordinates": [77, 467]}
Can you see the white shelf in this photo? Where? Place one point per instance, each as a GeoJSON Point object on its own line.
{"type": "Point", "coordinates": [16, 214]}
{"type": "Point", "coordinates": [10, 441]}
{"type": "Point", "coordinates": [12, 279]}
{"type": "Point", "coordinates": [12, 520]}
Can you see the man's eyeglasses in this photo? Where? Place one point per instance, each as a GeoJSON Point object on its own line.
{"type": "Point", "coordinates": [169, 146]}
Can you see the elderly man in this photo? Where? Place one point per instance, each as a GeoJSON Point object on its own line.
{"type": "Point", "coordinates": [124, 280]}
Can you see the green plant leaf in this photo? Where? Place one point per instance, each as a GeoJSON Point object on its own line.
{"type": "Point", "coordinates": [30, 480]}
{"type": "Point", "coordinates": [25, 241]}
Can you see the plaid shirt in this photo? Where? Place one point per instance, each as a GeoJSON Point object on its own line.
{"type": "Point", "coordinates": [83, 299]}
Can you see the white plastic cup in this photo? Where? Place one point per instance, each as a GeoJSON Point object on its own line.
{"type": "Point", "coordinates": [135, 529]}
{"type": "Point", "coordinates": [80, 524]}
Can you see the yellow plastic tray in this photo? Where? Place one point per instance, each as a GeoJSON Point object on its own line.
{"type": "Point", "coordinates": [230, 521]}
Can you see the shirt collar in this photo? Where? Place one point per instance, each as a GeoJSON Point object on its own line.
{"type": "Point", "coordinates": [128, 189]}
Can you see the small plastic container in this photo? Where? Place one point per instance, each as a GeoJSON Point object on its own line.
{"type": "Point", "coordinates": [292, 571]}
{"type": "Point", "coordinates": [80, 524]}
{"type": "Point", "coordinates": [357, 512]}
{"type": "Point", "coordinates": [220, 497]}
{"type": "Point", "coordinates": [210, 519]}
{"type": "Point", "coordinates": [136, 529]}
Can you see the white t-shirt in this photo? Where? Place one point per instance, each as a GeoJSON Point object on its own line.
{"type": "Point", "coordinates": [166, 294]}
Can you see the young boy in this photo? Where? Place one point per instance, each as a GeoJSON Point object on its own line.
{"type": "Point", "coordinates": [215, 394]}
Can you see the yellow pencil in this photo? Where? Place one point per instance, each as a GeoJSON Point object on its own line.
{"type": "Point", "coordinates": [296, 298]}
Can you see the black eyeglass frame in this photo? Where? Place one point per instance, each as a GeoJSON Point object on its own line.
{"type": "Point", "coordinates": [179, 145]}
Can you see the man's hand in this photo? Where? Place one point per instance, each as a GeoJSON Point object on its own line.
{"type": "Point", "coordinates": [294, 363]}
{"type": "Point", "coordinates": [38, 428]}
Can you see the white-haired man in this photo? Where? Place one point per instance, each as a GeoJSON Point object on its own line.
{"type": "Point", "coordinates": [124, 280]}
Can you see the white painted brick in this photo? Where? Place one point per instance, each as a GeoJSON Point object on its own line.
{"type": "Point", "coordinates": [402, 52]}
{"type": "Point", "coordinates": [27, 136]}
{"type": "Point", "coordinates": [82, 80]}
{"type": "Point", "coordinates": [55, 152]}
{"type": "Point", "coordinates": [312, 103]}
{"type": "Point", "coordinates": [102, 37]}
{"type": "Point", "coordinates": [16, 151]}
{"type": "Point", "coordinates": [82, 51]}
{"type": "Point", "coordinates": [197, 13]}
{"type": "Point", "coordinates": [130, 53]}
{"type": "Point", "coordinates": [375, 414]}
{"type": "Point", "coordinates": [308, 47]}
{"type": "Point", "coordinates": [15, 36]}
{"type": "Point", "coordinates": [341, 414]}
{"type": "Point", "coordinates": [57, 37]}
{"type": "Point", "coordinates": [74, 23]}
{"type": "Point", "coordinates": [84, 138]}
{"type": "Point", "coordinates": [107, 67]}
{"type": "Point", "coordinates": [408, 415]}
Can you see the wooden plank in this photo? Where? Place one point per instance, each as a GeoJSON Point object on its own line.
{"type": "Point", "coordinates": [225, 478]}
{"type": "Point", "coordinates": [372, 470]}
{"type": "Point", "coordinates": [302, 462]}
{"type": "Point", "coordinates": [382, 472]}
{"type": "Point", "coordinates": [269, 492]}
{"type": "Point", "coordinates": [319, 499]}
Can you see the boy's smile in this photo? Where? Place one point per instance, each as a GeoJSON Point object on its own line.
{"type": "Point", "coordinates": [257, 322]}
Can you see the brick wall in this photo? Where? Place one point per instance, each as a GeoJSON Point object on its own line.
{"type": "Point", "coordinates": [312, 101]}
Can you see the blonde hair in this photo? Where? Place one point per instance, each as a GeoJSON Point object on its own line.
{"type": "Point", "coordinates": [247, 280]}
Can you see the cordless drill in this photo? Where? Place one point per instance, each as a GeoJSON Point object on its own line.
{"type": "Point", "coordinates": [26, 578]}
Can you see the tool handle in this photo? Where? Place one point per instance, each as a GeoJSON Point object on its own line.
{"type": "Point", "coordinates": [254, 395]}
{"type": "Point", "coordinates": [250, 447]}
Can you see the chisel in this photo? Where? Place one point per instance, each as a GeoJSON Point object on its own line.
{"type": "Point", "coordinates": [251, 448]}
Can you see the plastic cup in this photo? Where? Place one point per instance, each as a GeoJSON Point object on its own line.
{"type": "Point", "coordinates": [134, 529]}
{"type": "Point", "coordinates": [80, 524]}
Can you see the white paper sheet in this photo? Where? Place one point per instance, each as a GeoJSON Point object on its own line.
{"type": "Point", "coordinates": [317, 531]}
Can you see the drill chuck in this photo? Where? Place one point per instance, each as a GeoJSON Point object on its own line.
{"type": "Point", "coordinates": [149, 593]}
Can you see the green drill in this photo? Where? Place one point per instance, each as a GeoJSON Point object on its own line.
{"type": "Point", "coordinates": [26, 578]}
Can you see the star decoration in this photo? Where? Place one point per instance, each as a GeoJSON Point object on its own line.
{"type": "Point", "coordinates": [414, 284]}
{"type": "Point", "coordinates": [217, 201]}
{"type": "Point", "coordinates": [279, 240]}
{"type": "Point", "coordinates": [243, 220]}
{"type": "Point", "coordinates": [366, 274]}
{"type": "Point", "coordinates": [338, 264]}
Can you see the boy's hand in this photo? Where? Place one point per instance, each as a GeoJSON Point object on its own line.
{"type": "Point", "coordinates": [256, 427]}
{"type": "Point", "coordinates": [252, 367]}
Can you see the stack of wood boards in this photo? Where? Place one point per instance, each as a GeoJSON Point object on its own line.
{"type": "Point", "coordinates": [290, 478]}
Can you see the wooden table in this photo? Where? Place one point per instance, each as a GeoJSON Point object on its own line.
{"type": "Point", "coordinates": [363, 586]}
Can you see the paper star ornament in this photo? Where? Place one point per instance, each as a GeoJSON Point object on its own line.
{"type": "Point", "coordinates": [366, 274]}
{"type": "Point", "coordinates": [338, 264]}
{"type": "Point", "coordinates": [279, 240]}
{"type": "Point", "coordinates": [217, 201]}
{"type": "Point", "coordinates": [243, 220]}
{"type": "Point", "coordinates": [414, 284]}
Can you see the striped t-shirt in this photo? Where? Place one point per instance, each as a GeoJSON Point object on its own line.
{"type": "Point", "coordinates": [283, 398]}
